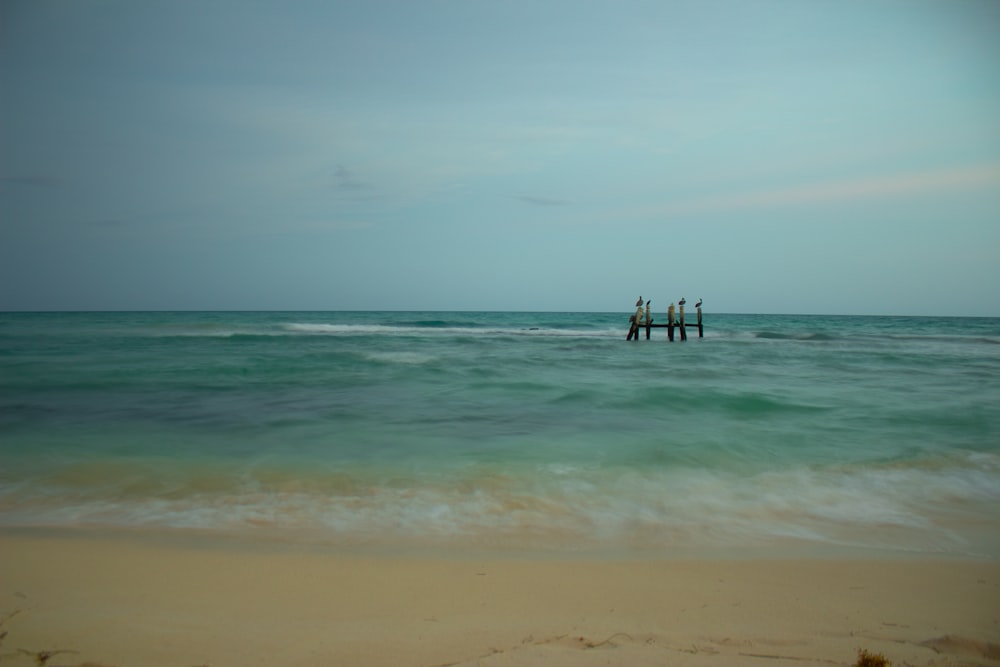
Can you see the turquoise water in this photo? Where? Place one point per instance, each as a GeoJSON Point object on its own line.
{"type": "Point", "coordinates": [542, 431]}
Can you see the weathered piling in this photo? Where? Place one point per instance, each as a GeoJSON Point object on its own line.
{"type": "Point", "coordinates": [633, 329]}
{"type": "Point", "coordinates": [673, 322]}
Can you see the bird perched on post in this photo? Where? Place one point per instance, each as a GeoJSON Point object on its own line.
{"type": "Point", "coordinates": [682, 301]}
{"type": "Point", "coordinates": [698, 305]}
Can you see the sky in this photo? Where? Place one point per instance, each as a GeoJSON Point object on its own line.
{"type": "Point", "coordinates": [768, 156]}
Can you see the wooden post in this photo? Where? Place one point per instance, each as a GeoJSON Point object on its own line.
{"type": "Point", "coordinates": [643, 318]}
{"type": "Point", "coordinates": [635, 321]}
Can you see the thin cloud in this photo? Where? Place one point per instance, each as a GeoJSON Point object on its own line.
{"type": "Point", "coordinates": [844, 191]}
{"type": "Point", "coordinates": [311, 225]}
{"type": "Point", "coordinates": [346, 180]}
{"type": "Point", "coordinates": [542, 201]}
{"type": "Point", "coordinates": [333, 225]}
{"type": "Point", "coordinates": [350, 188]}
{"type": "Point", "coordinates": [108, 223]}
{"type": "Point", "coordinates": [304, 227]}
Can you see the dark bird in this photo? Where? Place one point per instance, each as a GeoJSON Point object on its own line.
{"type": "Point", "coordinates": [639, 302]}
{"type": "Point", "coordinates": [698, 305]}
{"type": "Point", "coordinates": [682, 301]}
{"type": "Point", "coordinates": [647, 301]}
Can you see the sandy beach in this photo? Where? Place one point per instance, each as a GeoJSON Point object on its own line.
{"type": "Point", "coordinates": [163, 602]}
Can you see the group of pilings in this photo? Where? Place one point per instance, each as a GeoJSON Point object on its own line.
{"type": "Point", "coordinates": [670, 326]}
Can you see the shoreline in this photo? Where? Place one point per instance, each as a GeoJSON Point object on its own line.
{"type": "Point", "coordinates": [506, 546]}
{"type": "Point", "coordinates": [172, 600]}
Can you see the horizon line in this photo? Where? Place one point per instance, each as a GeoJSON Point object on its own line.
{"type": "Point", "coordinates": [625, 312]}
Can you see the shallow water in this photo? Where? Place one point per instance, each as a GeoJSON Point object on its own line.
{"type": "Point", "coordinates": [521, 430]}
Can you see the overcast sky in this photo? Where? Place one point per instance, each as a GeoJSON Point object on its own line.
{"type": "Point", "coordinates": [786, 156]}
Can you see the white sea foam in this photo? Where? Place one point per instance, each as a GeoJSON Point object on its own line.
{"type": "Point", "coordinates": [418, 331]}
{"type": "Point", "coordinates": [400, 357]}
{"type": "Point", "coordinates": [910, 508]}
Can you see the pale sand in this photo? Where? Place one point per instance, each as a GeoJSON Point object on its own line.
{"type": "Point", "coordinates": [153, 603]}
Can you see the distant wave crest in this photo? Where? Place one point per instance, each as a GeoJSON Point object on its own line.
{"type": "Point", "coordinates": [439, 328]}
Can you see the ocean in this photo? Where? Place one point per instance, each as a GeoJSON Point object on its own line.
{"type": "Point", "coordinates": [508, 432]}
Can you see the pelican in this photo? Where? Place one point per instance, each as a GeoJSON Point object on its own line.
{"type": "Point", "coordinates": [682, 301]}
{"type": "Point", "coordinates": [698, 305]}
